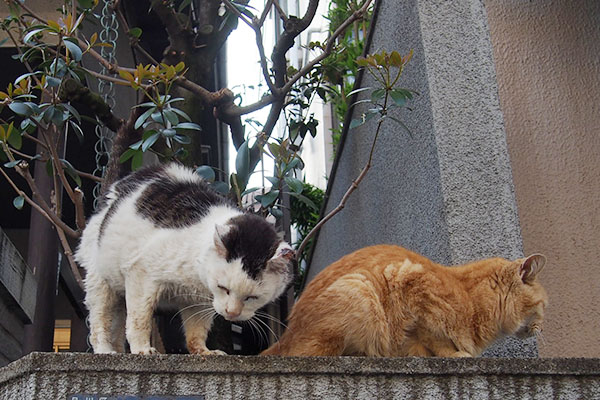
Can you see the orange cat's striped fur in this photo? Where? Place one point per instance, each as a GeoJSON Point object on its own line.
{"type": "Point", "coordinates": [388, 301]}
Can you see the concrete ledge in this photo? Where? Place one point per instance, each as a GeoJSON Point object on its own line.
{"type": "Point", "coordinates": [56, 376]}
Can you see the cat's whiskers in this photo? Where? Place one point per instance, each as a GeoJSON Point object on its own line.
{"type": "Point", "coordinates": [268, 327]}
{"type": "Point", "coordinates": [272, 318]}
{"type": "Point", "coordinates": [188, 307]}
{"type": "Point", "coordinates": [205, 314]}
{"type": "Point", "coordinates": [260, 330]}
{"type": "Point", "coordinates": [540, 337]}
{"type": "Point", "coordinates": [253, 327]}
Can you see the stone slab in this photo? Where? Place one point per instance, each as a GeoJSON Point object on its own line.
{"type": "Point", "coordinates": [56, 376]}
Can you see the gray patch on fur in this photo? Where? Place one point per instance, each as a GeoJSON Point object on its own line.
{"type": "Point", "coordinates": [125, 187]}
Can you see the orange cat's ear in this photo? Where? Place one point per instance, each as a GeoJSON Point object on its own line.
{"type": "Point", "coordinates": [532, 266]}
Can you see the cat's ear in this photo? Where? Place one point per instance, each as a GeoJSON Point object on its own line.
{"type": "Point", "coordinates": [282, 258]}
{"type": "Point", "coordinates": [531, 266]}
{"type": "Point", "coordinates": [220, 232]}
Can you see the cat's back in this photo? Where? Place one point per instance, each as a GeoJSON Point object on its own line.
{"type": "Point", "coordinates": [143, 205]}
{"type": "Point", "coordinates": [369, 262]}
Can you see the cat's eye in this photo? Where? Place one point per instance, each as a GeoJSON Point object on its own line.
{"type": "Point", "coordinates": [223, 288]}
{"type": "Point", "coordinates": [250, 298]}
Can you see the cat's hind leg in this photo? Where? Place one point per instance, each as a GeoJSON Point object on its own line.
{"type": "Point", "coordinates": [197, 325]}
{"type": "Point", "coordinates": [446, 348]}
{"type": "Point", "coordinates": [141, 297]}
{"type": "Point", "coordinates": [100, 300]}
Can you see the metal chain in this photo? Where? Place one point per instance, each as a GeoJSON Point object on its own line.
{"type": "Point", "coordinates": [109, 34]}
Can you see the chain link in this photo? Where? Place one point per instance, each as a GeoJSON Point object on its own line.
{"type": "Point", "coordinates": [109, 34]}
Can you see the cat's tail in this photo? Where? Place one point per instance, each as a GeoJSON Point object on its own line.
{"type": "Point", "coordinates": [126, 136]}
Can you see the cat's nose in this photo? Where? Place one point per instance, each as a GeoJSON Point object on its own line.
{"type": "Point", "coordinates": [232, 314]}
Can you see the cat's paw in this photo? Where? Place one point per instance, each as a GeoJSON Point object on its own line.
{"type": "Point", "coordinates": [106, 349]}
{"type": "Point", "coordinates": [461, 354]}
{"type": "Point", "coordinates": [146, 351]}
{"type": "Point", "coordinates": [105, 352]}
{"type": "Point", "coordinates": [207, 352]}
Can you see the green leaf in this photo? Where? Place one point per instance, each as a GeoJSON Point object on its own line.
{"type": "Point", "coordinates": [32, 33]}
{"type": "Point", "coordinates": [77, 130]}
{"type": "Point", "coordinates": [183, 5]}
{"type": "Point", "coordinates": [399, 97]}
{"type": "Point", "coordinates": [305, 200]}
{"type": "Point", "coordinates": [137, 160]}
{"type": "Point", "coordinates": [142, 118]}
{"type": "Point", "coordinates": [294, 184]}
{"type": "Point", "coordinates": [73, 111]}
{"type": "Point", "coordinates": [18, 202]}
{"type": "Point", "coordinates": [171, 117]}
{"type": "Point", "coordinates": [206, 172]}
{"type": "Point", "coordinates": [268, 198]}
{"type": "Point", "coordinates": [396, 59]}
{"type": "Point", "coordinates": [251, 190]}
{"type": "Point", "coordinates": [49, 168]}
{"type": "Point", "coordinates": [295, 163]}
{"type": "Point", "coordinates": [86, 3]}
{"type": "Point", "coordinates": [71, 171]}
{"type": "Point", "coordinates": [183, 139]}
{"type": "Point", "coordinates": [127, 155]}
{"type": "Point", "coordinates": [52, 81]}
{"type": "Point", "coordinates": [181, 114]}
{"type": "Point", "coordinates": [220, 187]}
{"type": "Point", "coordinates": [135, 32]}
{"type": "Point", "coordinates": [169, 132]}
{"type": "Point", "coordinates": [24, 76]}
{"type": "Point", "coordinates": [276, 212]}
{"type": "Point", "coordinates": [146, 144]}
{"type": "Point", "coordinates": [274, 180]}
{"type": "Point", "coordinates": [242, 163]}
{"type": "Point", "coordinates": [377, 95]}
{"type": "Point", "coordinates": [357, 122]}
{"type": "Point", "coordinates": [12, 164]}
{"type": "Point", "coordinates": [14, 138]}
{"type": "Point", "coordinates": [73, 49]}
{"type": "Point", "coordinates": [357, 91]}
{"type": "Point", "coordinates": [275, 150]}
{"type": "Point", "coordinates": [21, 109]}
{"type": "Point", "coordinates": [403, 125]}
{"type": "Point", "coordinates": [188, 125]}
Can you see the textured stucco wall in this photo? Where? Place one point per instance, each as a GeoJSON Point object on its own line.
{"type": "Point", "coordinates": [547, 55]}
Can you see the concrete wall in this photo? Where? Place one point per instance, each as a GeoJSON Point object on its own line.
{"type": "Point", "coordinates": [60, 376]}
{"type": "Point", "coordinates": [548, 65]}
{"type": "Point", "coordinates": [446, 191]}
{"type": "Point", "coordinates": [17, 300]}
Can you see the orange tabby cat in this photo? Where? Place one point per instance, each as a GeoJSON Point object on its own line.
{"type": "Point", "coordinates": [390, 302]}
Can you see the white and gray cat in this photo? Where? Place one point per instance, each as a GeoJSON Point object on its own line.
{"type": "Point", "coordinates": [163, 234]}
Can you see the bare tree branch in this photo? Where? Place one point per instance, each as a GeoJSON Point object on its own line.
{"type": "Point", "coordinates": [72, 90]}
{"type": "Point", "coordinates": [23, 169]}
{"type": "Point", "coordinates": [358, 14]}
{"type": "Point", "coordinates": [79, 210]}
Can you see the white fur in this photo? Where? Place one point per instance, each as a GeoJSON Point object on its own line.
{"type": "Point", "coordinates": [142, 264]}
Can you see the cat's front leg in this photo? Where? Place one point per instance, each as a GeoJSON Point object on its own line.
{"type": "Point", "coordinates": [196, 331]}
{"type": "Point", "coordinates": [141, 297]}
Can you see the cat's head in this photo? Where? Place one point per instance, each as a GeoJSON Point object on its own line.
{"type": "Point", "coordinates": [529, 297]}
{"type": "Point", "coordinates": [254, 267]}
